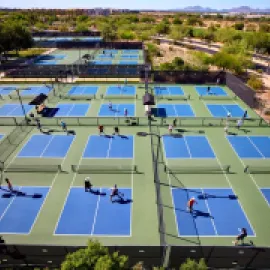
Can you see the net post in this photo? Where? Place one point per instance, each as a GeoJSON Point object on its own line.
{"type": "Point", "coordinates": [246, 169]}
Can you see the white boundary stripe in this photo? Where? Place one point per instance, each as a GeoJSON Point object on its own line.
{"type": "Point", "coordinates": [71, 184]}
{"type": "Point", "coordinates": [109, 148]}
{"type": "Point", "coordinates": [10, 203]}
{"type": "Point", "coordinates": [72, 106]}
{"type": "Point", "coordinates": [11, 111]}
{"type": "Point", "coordinates": [250, 175]}
{"type": "Point", "coordinates": [46, 147]}
{"type": "Point", "coordinates": [230, 184]}
{"type": "Point", "coordinates": [256, 147]}
{"type": "Point", "coordinates": [175, 111]}
{"type": "Point", "coordinates": [187, 147]}
{"type": "Point", "coordinates": [132, 186]}
{"type": "Point", "coordinates": [261, 189]}
{"type": "Point", "coordinates": [95, 215]}
{"type": "Point", "coordinates": [207, 206]}
{"type": "Point", "coordinates": [52, 184]}
{"type": "Point", "coordinates": [170, 184]}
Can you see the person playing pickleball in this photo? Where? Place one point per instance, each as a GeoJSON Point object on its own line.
{"type": "Point", "coordinates": [115, 192]}
{"type": "Point", "coordinates": [10, 187]}
{"type": "Point", "coordinates": [101, 129]}
{"type": "Point", "coordinates": [241, 236]}
{"type": "Point", "coordinates": [190, 204]}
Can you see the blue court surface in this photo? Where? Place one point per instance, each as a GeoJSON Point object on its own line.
{"type": "Point", "coordinates": [107, 56]}
{"type": "Point", "coordinates": [101, 62]}
{"type": "Point", "coordinates": [222, 110]}
{"type": "Point", "coordinates": [1, 136]}
{"type": "Point", "coordinates": [14, 109]}
{"type": "Point", "coordinates": [117, 110]}
{"type": "Point", "coordinates": [168, 91]}
{"type": "Point", "coordinates": [266, 194]}
{"type": "Point", "coordinates": [46, 62]}
{"type": "Point", "coordinates": [130, 51]}
{"type": "Point", "coordinates": [187, 147]}
{"type": "Point", "coordinates": [69, 109]}
{"type": "Point", "coordinates": [129, 56]}
{"type": "Point", "coordinates": [251, 146]}
{"type": "Point", "coordinates": [19, 210]}
{"type": "Point", "coordinates": [35, 90]}
{"type": "Point", "coordinates": [127, 90]}
{"type": "Point", "coordinates": [83, 90]}
{"type": "Point", "coordinates": [126, 62]}
{"type": "Point", "coordinates": [87, 213]}
{"type": "Point", "coordinates": [214, 90]}
{"type": "Point", "coordinates": [109, 52]}
{"type": "Point", "coordinates": [46, 146]}
{"type": "Point", "coordinates": [109, 147]}
{"type": "Point", "coordinates": [218, 213]}
{"type": "Point", "coordinates": [6, 90]}
{"type": "Point", "coordinates": [174, 110]}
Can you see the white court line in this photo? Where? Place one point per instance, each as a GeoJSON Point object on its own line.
{"type": "Point", "coordinates": [250, 175]}
{"type": "Point", "coordinates": [230, 184]}
{"type": "Point", "coordinates": [207, 206]}
{"type": "Point", "coordinates": [52, 184]}
{"type": "Point", "coordinates": [95, 215]}
{"type": "Point", "coordinates": [10, 203]}
{"type": "Point", "coordinates": [256, 147]}
{"type": "Point", "coordinates": [46, 147]}
{"type": "Point", "coordinates": [170, 184]}
{"type": "Point", "coordinates": [187, 147]}
{"type": "Point", "coordinates": [12, 110]}
{"type": "Point", "coordinates": [109, 148]}
{"type": "Point", "coordinates": [70, 110]}
{"type": "Point", "coordinates": [71, 184]}
{"type": "Point", "coordinates": [175, 111]}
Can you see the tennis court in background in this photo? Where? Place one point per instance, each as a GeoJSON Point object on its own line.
{"type": "Point", "coordinates": [6, 90]}
{"type": "Point", "coordinates": [117, 110]}
{"type": "Point", "coordinates": [222, 110]}
{"type": "Point", "coordinates": [35, 90]}
{"type": "Point", "coordinates": [218, 213]}
{"type": "Point", "coordinates": [96, 62]}
{"type": "Point", "coordinates": [95, 214]}
{"type": "Point", "coordinates": [18, 211]}
{"type": "Point", "coordinates": [187, 147]}
{"type": "Point", "coordinates": [118, 90]}
{"type": "Point", "coordinates": [109, 147]}
{"type": "Point", "coordinates": [46, 146]}
{"type": "Point", "coordinates": [214, 90]}
{"type": "Point", "coordinates": [83, 90]}
{"type": "Point", "coordinates": [126, 62]}
{"type": "Point", "coordinates": [14, 110]}
{"type": "Point", "coordinates": [168, 91]}
{"type": "Point", "coordinates": [255, 147]}
{"type": "Point", "coordinates": [174, 110]}
{"type": "Point", "coordinates": [72, 109]}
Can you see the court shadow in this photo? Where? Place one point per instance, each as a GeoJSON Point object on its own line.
{"type": "Point", "coordinates": [21, 194]}
{"type": "Point", "coordinates": [71, 132]}
{"type": "Point", "coordinates": [245, 130]}
{"type": "Point", "coordinates": [193, 131]}
{"type": "Point", "coordinates": [49, 112]}
{"type": "Point", "coordinates": [108, 136]}
{"type": "Point", "coordinates": [209, 196]}
{"type": "Point", "coordinates": [198, 213]}
{"type": "Point", "coordinates": [97, 192]}
{"type": "Point", "coordinates": [159, 112]}
{"type": "Point", "coordinates": [122, 201]}
{"type": "Point", "coordinates": [54, 130]}
{"type": "Point", "coordinates": [114, 110]}
{"type": "Point", "coordinates": [232, 133]}
{"type": "Point", "coordinates": [45, 132]}
{"type": "Point", "coordinates": [123, 137]}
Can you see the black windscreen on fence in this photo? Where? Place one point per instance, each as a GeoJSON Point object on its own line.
{"type": "Point", "coordinates": [66, 34]}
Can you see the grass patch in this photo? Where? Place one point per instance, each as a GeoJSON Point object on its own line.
{"type": "Point", "coordinates": [28, 53]}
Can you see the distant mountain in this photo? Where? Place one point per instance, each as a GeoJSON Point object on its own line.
{"type": "Point", "coordinates": [242, 9]}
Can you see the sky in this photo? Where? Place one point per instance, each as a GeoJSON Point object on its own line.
{"type": "Point", "coordinates": [135, 4]}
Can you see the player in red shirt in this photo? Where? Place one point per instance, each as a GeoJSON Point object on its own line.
{"type": "Point", "coordinates": [190, 204]}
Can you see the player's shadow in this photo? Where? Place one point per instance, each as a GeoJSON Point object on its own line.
{"type": "Point", "coordinates": [209, 196]}
{"type": "Point", "coordinates": [121, 200]}
{"type": "Point", "coordinates": [181, 130]}
{"type": "Point", "coordinates": [97, 192]}
{"type": "Point", "coordinates": [123, 137]}
{"type": "Point", "coordinates": [198, 213]}
{"type": "Point", "coordinates": [114, 110]}
{"type": "Point", "coordinates": [108, 136]}
{"type": "Point", "coordinates": [17, 193]}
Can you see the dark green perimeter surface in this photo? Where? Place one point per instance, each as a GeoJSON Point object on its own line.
{"type": "Point", "coordinates": [144, 208]}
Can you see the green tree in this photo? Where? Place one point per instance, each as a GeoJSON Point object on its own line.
{"type": "Point", "coordinates": [128, 35]}
{"type": "Point", "coordinates": [239, 26]}
{"type": "Point", "coordinates": [163, 28]}
{"type": "Point", "coordinates": [194, 265]}
{"type": "Point", "coordinates": [81, 27]}
{"type": "Point", "coordinates": [109, 32]}
{"type": "Point", "coordinates": [255, 82]}
{"type": "Point", "coordinates": [177, 20]}
{"type": "Point", "coordinates": [264, 27]}
{"type": "Point", "coordinates": [94, 256]}
{"type": "Point", "coordinates": [148, 19]}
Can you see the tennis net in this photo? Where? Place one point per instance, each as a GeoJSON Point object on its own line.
{"type": "Point", "coordinates": [33, 168]}
{"type": "Point", "coordinates": [101, 169]}
{"type": "Point", "coordinates": [257, 169]}
{"type": "Point", "coordinates": [119, 96]}
{"type": "Point", "coordinates": [217, 97]}
{"type": "Point", "coordinates": [173, 97]}
{"type": "Point", "coordinates": [77, 97]}
{"type": "Point", "coordinates": [211, 169]}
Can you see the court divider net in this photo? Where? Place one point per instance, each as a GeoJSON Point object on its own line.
{"type": "Point", "coordinates": [253, 169]}
{"type": "Point", "coordinates": [211, 169]}
{"type": "Point", "coordinates": [103, 169]}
